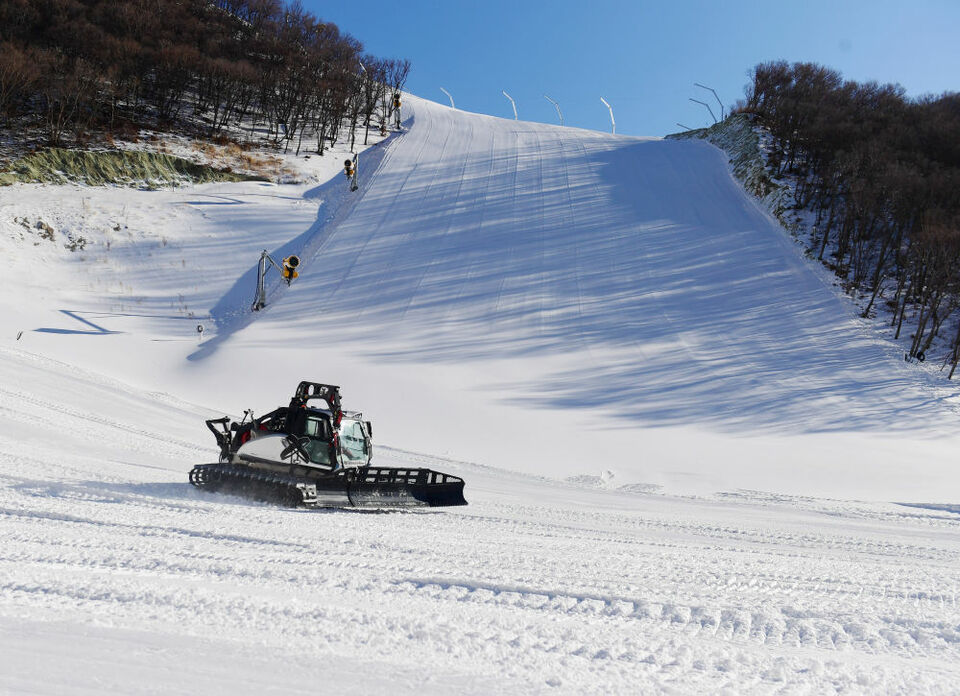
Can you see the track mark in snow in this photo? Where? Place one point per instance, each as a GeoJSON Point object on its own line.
{"type": "Point", "coordinates": [774, 625]}
{"type": "Point", "coordinates": [145, 530]}
{"type": "Point", "coordinates": [54, 412]}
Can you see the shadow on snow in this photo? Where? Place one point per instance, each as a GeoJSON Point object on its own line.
{"type": "Point", "coordinates": [682, 301]}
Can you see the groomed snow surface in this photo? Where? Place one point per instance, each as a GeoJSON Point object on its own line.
{"type": "Point", "coordinates": [690, 467]}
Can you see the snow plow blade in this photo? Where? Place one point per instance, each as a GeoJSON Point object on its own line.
{"type": "Point", "coordinates": [364, 487]}
{"type": "Point", "coordinates": [372, 486]}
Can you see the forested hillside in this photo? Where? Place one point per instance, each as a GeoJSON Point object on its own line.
{"type": "Point", "coordinates": [73, 69]}
{"type": "Point", "coordinates": [879, 174]}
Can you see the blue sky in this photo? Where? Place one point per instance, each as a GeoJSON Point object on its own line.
{"type": "Point", "coordinates": [644, 57]}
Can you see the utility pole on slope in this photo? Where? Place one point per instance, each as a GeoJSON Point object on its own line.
{"type": "Point", "coordinates": [512, 103]}
{"type": "Point", "coordinates": [555, 106]}
{"type": "Point", "coordinates": [706, 105]}
{"type": "Point", "coordinates": [448, 97]}
{"type": "Point", "coordinates": [697, 84]}
{"type": "Point", "coordinates": [613, 124]}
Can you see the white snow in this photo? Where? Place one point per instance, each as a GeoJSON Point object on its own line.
{"type": "Point", "coordinates": [685, 456]}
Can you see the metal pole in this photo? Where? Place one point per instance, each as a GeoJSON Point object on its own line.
{"type": "Point", "coordinates": [260, 301]}
{"type": "Point", "coordinates": [706, 105]}
{"type": "Point", "coordinates": [512, 103]}
{"type": "Point", "coordinates": [683, 126]}
{"type": "Point", "coordinates": [449, 97]}
{"type": "Point", "coordinates": [556, 106]}
{"type": "Point", "coordinates": [613, 124]}
{"type": "Point", "coordinates": [697, 84]}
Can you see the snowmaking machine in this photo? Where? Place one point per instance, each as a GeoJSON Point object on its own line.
{"type": "Point", "coordinates": [316, 455]}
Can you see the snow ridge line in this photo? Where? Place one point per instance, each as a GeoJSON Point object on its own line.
{"type": "Point", "coordinates": [538, 521]}
{"type": "Point", "coordinates": [51, 407]}
{"type": "Point", "coordinates": [779, 625]}
{"type": "Point", "coordinates": [336, 204]}
{"type": "Point", "coordinates": [147, 530]}
{"type": "Point", "coordinates": [346, 201]}
{"type": "Point", "coordinates": [98, 379]}
{"type": "Point", "coordinates": [771, 625]}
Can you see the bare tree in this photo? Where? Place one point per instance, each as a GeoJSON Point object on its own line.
{"type": "Point", "coordinates": [19, 75]}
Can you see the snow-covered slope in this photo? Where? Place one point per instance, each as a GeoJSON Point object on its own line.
{"type": "Point", "coordinates": [542, 299]}
{"type": "Point", "coordinates": [588, 328]}
{"type": "Point", "coordinates": [117, 577]}
{"type": "Point", "coordinates": [574, 282]}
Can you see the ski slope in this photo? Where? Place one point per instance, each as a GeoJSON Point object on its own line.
{"type": "Point", "coordinates": [690, 466]}
{"type": "Point", "coordinates": [567, 281]}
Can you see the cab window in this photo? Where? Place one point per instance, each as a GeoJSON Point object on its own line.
{"type": "Point", "coordinates": [318, 447]}
{"type": "Point", "coordinates": [313, 427]}
{"type": "Point", "coordinates": [353, 443]}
